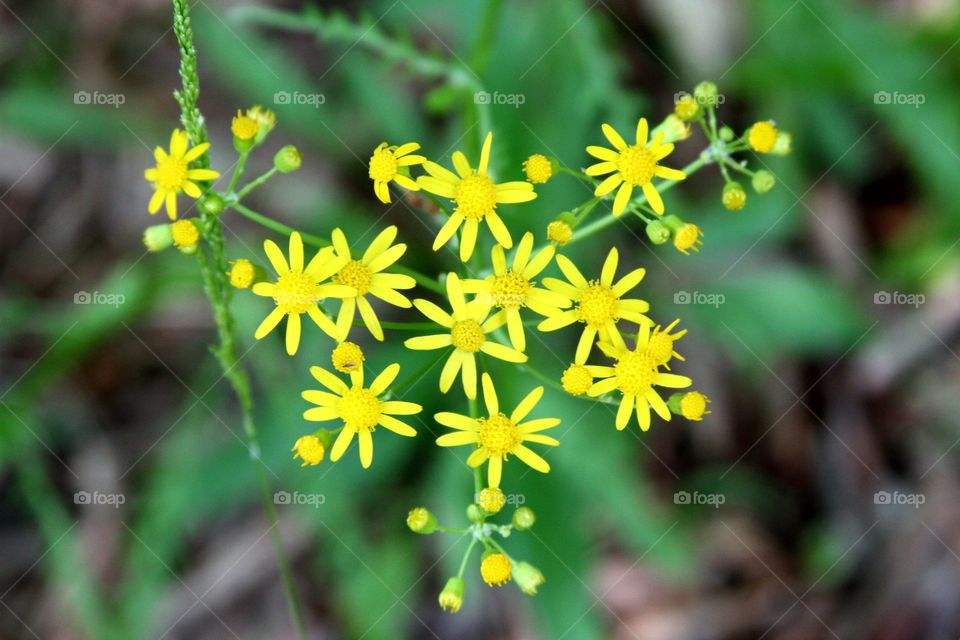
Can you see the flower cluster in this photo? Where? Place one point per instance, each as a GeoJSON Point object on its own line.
{"type": "Point", "coordinates": [489, 308]}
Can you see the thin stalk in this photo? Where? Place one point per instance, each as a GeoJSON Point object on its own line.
{"type": "Point", "coordinates": [253, 184]}
{"type": "Point", "coordinates": [466, 557]}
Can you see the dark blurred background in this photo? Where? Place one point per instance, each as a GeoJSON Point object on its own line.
{"type": "Point", "coordinates": [830, 352]}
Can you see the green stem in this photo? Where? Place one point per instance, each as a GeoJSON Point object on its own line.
{"type": "Point", "coordinates": [217, 287]}
{"type": "Point", "coordinates": [238, 171]}
{"type": "Point", "coordinates": [253, 184]}
{"type": "Point", "coordinates": [466, 557]}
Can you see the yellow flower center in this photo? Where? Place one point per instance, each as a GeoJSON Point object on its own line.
{"type": "Point", "coordinates": [309, 449]}
{"type": "Point", "coordinates": [560, 232]}
{"type": "Point", "coordinates": [636, 164]}
{"type": "Point", "coordinates": [244, 127]}
{"type": "Point", "coordinates": [538, 168]}
{"type": "Point", "coordinates": [354, 274]}
{"type": "Point", "coordinates": [296, 292]}
{"type": "Point", "coordinates": [576, 380]}
{"type": "Point", "coordinates": [510, 290]}
{"type": "Point", "coordinates": [360, 409]}
{"type": "Point", "coordinates": [491, 499]}
{"type": "Point", "coordinates": [242, 274]}
{"type": "Point", "coordinates": [347, 357]}
{"type": "Point", "coordinates": [184, 233]}
{"type": "Point", "coordinates": [687, 238]}
{"type": "Point", "coordinates": [476, 196]}
{"type": "Point", "coordinates": [495, 569]}
{"type": "Point", "coordinates": [693, 405]}
{"type": "Point", "coordinates": [498, 435]}
{"type": "Point", "coordinates": [598, 305]}
{"type": "Point", "coordinates": [635, 372]}
{"type": "Point", "coordinates": [467, 335]}
{"type": "Point", "coordinates": [763, 135]}
{"type": "Point", "coordinates": [660, 347]}
{"type": "Point", "coordinates": [171, 173]}
{"type": "Point", "coordinates": [383, 165]}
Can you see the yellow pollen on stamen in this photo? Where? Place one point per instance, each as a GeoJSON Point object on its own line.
{"type": "Point", "coordinates": [510, 290]}
{"type": "Point", "coordinates": [360, 409]}
{"type": "Point", "coordinates": [636, 165]}
{"type": "Point", "coordinates": [498, 435]}
{"type": "Point", "coordinates": [467, 335]}
{"type": "Point", "coordinates": [476, 196]}
{"type": "Point", "coordinates": [296, 292]}
{"type": "Point", "coordinates": [598, 305]}
{"type": "Point", "coordinates": [383, 165]}
{"type": "Point", "coordinates": [660, 347]}
{"type": "Point", "coordinates": [576, 380]}
{"type": "Point", "coordinates": [635, 372]}
{"type": "Point", "coordinates": [354, 274]}
{"type": "Point", "coordinates": [171, 173]}
{"type": "Point", "coordinates": [347, 357]}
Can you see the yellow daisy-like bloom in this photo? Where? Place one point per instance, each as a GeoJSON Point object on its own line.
{"type": "Point", "coordinates": [599, 304]}
{"type": "Point", "coordinates": [511, 288]}
{"type": "Point", "coordinates": [660, 345]}
{"type": "Point", "coordinates": [634, 375]}
{"type": "Point", "coordinates": [244, 127]}
{"type": "Point", "coordinates": [242, 273]}
{"type": "Point", "coordinates": [476, 197]}
{"type": "Point", "coordinates": [491, 499]}
{"type": "Point", "coordinates": [347, 357]}
{"type": "Point", "coordinates": [265, 118]}
{"type": "Point", "coordinates": [173, 174]}
{"type": "Point", "coordinates": [385, 166]}
{"type": "Point", "coordinates": [632, 166]}
{"type": "Point", "coordinates": [185, 233]}
{"type": "Point", "coordinates": [468, 326]}
{"type": "Point", "coordinates": [360, 409]}
{"type": "Point", "coordinates": [687, 238]}
{"type": "Point", "coordinates": [496, 569]}
{"type": "Point", "coordinates": [762, 136]}
{"type": "Point", "coordinates": [498, 436]}
{"type": "Point", "coordinates": [364, 277]}
{"type": "Point", "coordinates": [538, 168]}
{"type": "Point", "coordinates": [693, 405]}
{"type": "Point", "coordinates": [298, 290]}
{"type": "Point", "coordinates": [309, 449]}
{"type": "Point", "coordinates": [559, 232]}
{"type": "Point", "coordinates": [576, 379]}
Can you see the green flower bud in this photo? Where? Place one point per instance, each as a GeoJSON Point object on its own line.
{"type": "Point", "coordinates": [734, 197]}
{"type": "Point", "coordinates": [658, 232]}
{"type": "Point", "coordinates": [763, 181]}
{"type": "Point", "coordinates": [422, 521]}
{"type": "Point", "coordinates": [524, 518]}
{"type": "Point", "coordinates": [783, 144]}
{"type": "Point", "coordinates": [451, 598]}
{"type": "Point", "coordinates": [158, 237]}
{"type": "Point", "coordinates": [527, 577]}
{"type": "Point", "coordinates": [287, 159]}
{"type": "Point", "coordinates": [673, 402]}
{"type": "Point", "coordinates": [213, 204]}
{"type": "Point", "coordinates": [726, 134]}
{"type": "Point", "coordinates": [706, 93]}
{"type": "Point", "coordinates": [475, 513]}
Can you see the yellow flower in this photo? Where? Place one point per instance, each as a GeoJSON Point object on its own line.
{"type": "Point", "coordinates": [693, 405]}
{"type": "Point", "coordinates": [244, 127]}
{"type": "Point", "coordinates": [476, 197]}
{"type": "Point", "coordinates": [576, 379]}
{"type": "Point", "coordinates": [559, 232]}
{"type": "Point", "coordinates": [491, 499]}
{"type": "Point", "coordinates": [632, 166]}
{"type": "Point", "coordinates": [451, 598]}
{"type": "Point", "coordinates": [347, 357]}
{"type": "Point", "coordinates": [687, 238]}
{"type": "Point", "coordinates": [385, 166]}
{"type": "Point", "coordinates": [468, 326]}
{"type": "Point", "coordinates": [242, 273]}
{"type": "Point", "coordinates": [495, 569]}
{"type": "Point", "coordinates": [599, 304]}
{"type": "Point", "coordinates": [364, 277]}
{"type": "Point", "coordinates": [309, 449]}
{"type": "Point", "coordinates": [762, 136]}
{"type": "Point", "coordinates": [634, 375]}
{"type": "Point", "coordinates": [185, 233]}
{"type": "Point", "coordinates": [360, 409]}
{"type": "Point", "coordinates": [511, 288]}
{"type": "Point", "coordinates": [498, 436]}
{"type": "Point", "coordinates": [298, 290]}
{"type": "Point", "coordinates": [265, 118]}
{"type": "Point", "coordinates": [660, 345]}
{"type": "Point", "coordinates": [538, 168]}
{"type": "Point", "coordinates": [173, 174]}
